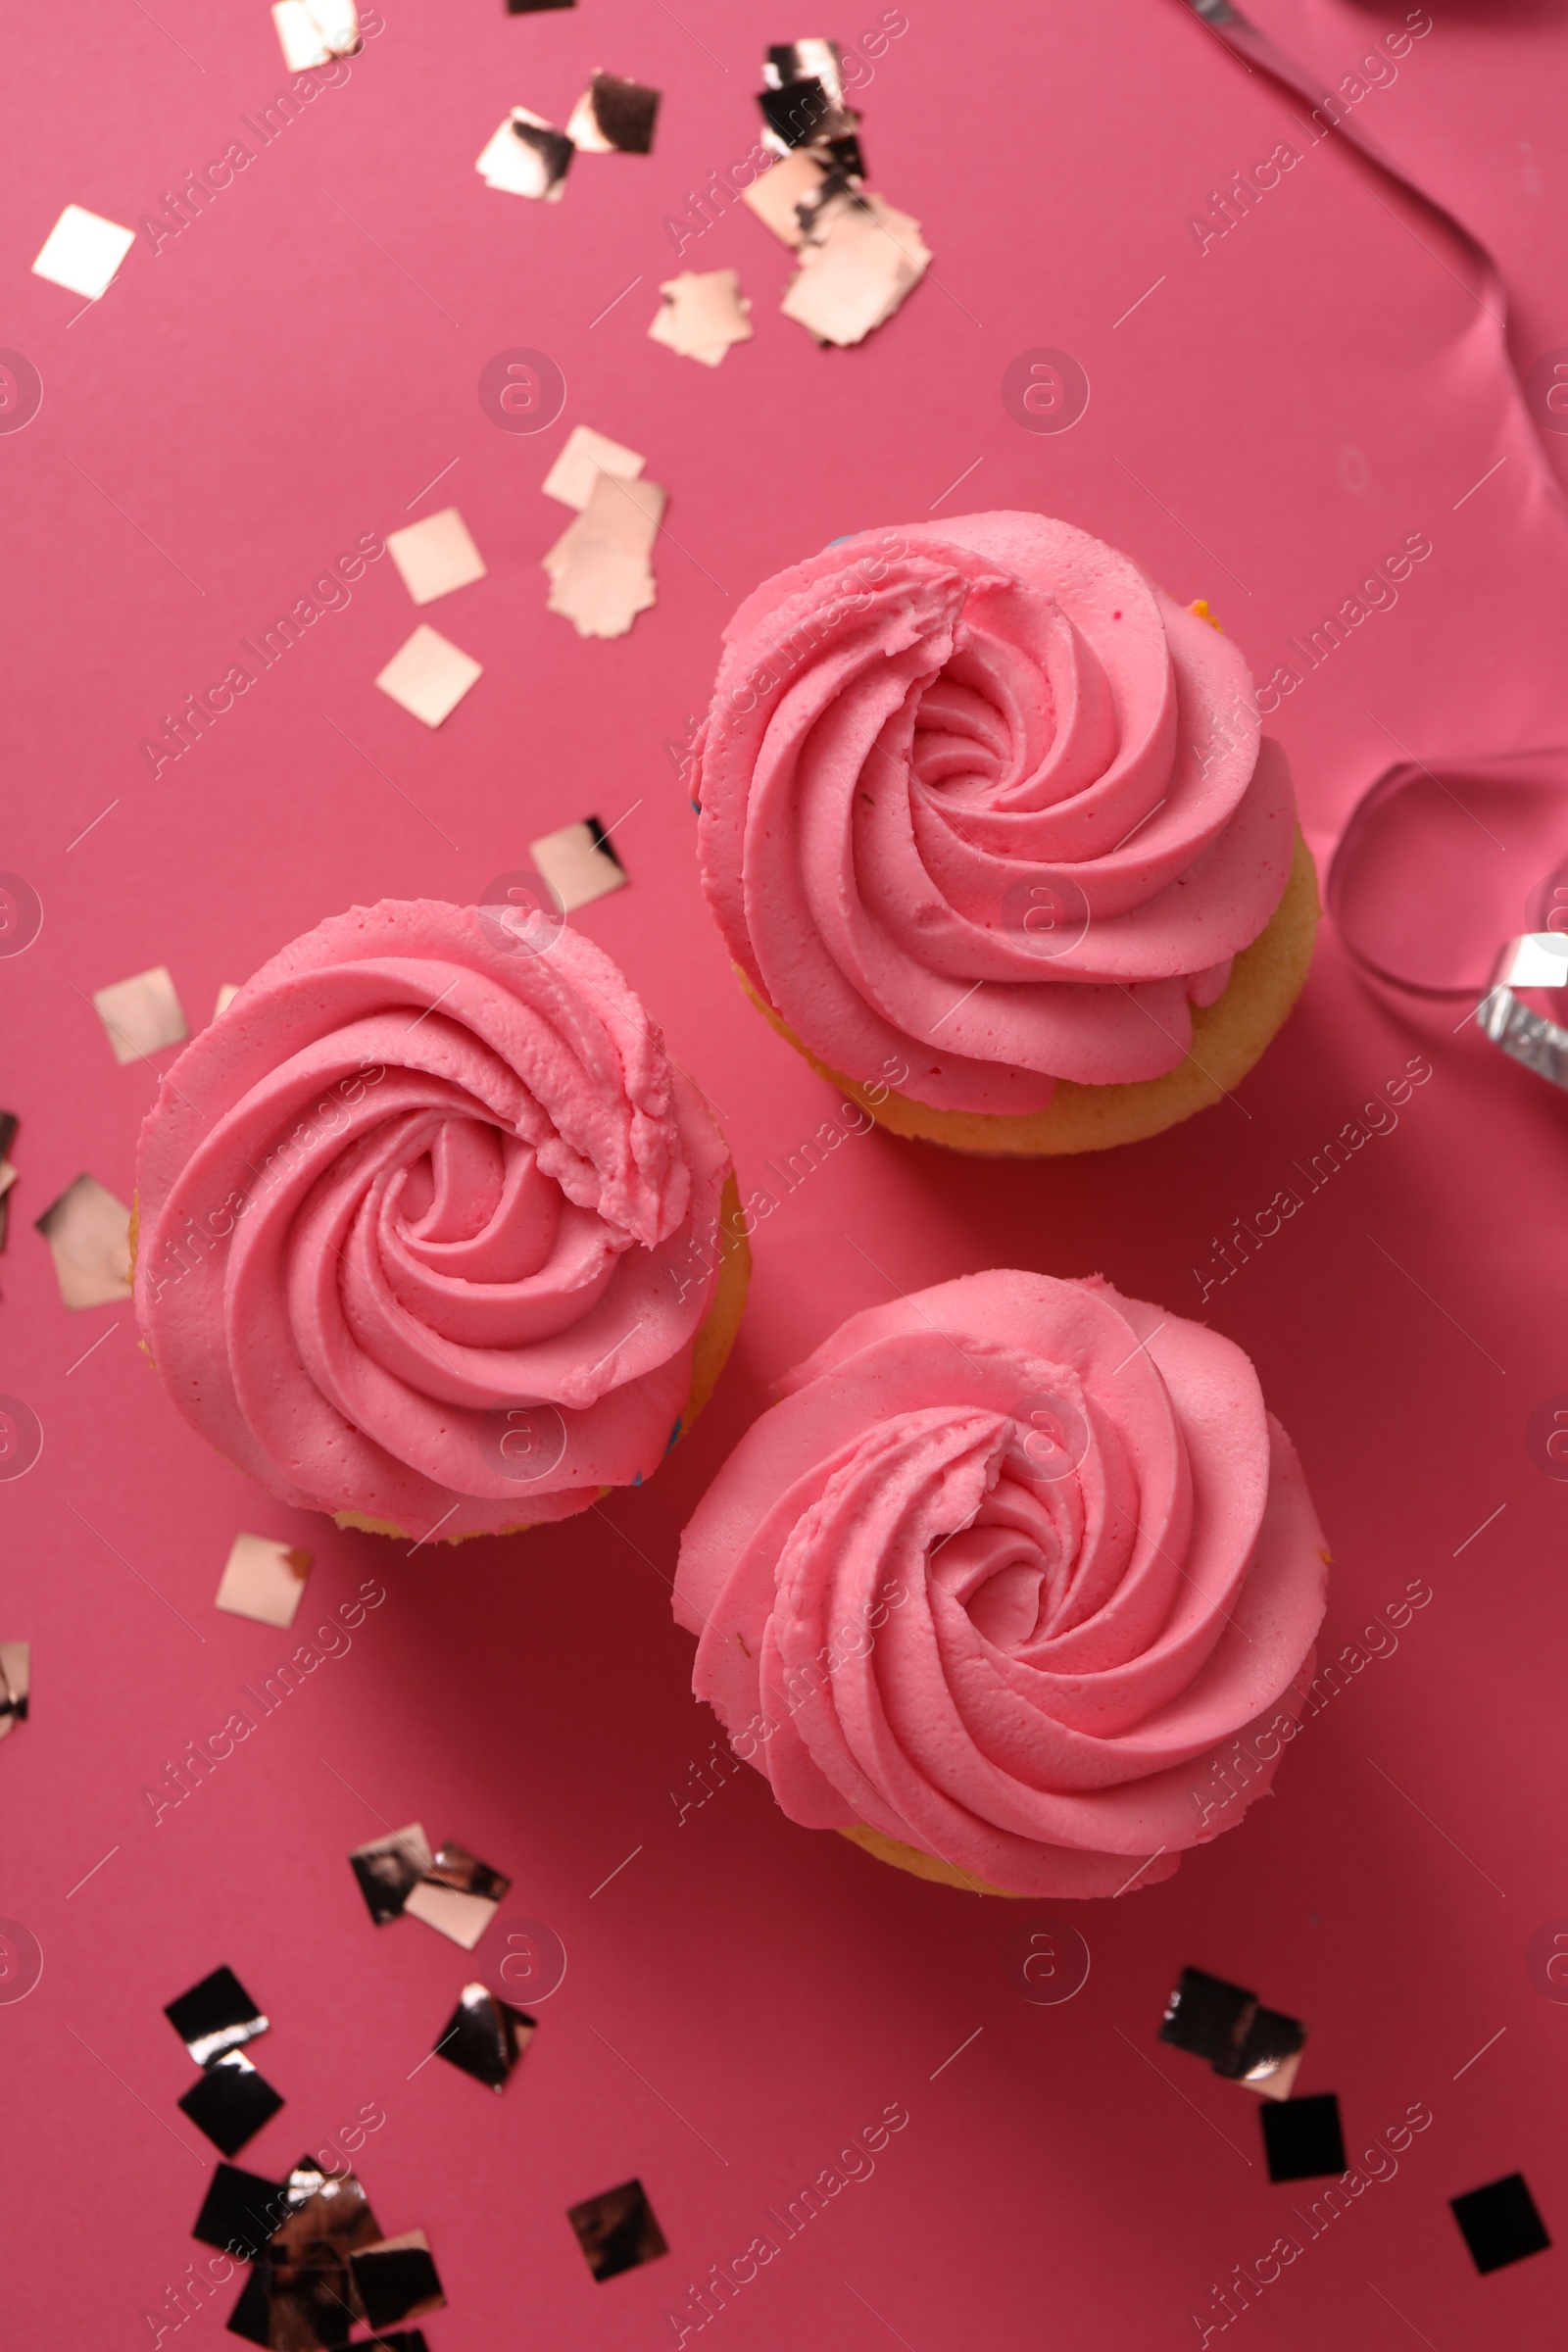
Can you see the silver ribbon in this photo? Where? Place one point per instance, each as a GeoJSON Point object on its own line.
{"type": "Point", "coordinates": [1259, 49]}
{"type": "Point", "coordinates": [1536, 959]}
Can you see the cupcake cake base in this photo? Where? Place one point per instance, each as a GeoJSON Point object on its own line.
{"type": "Point", "coordinates": [1228, 1037]}
{"type": "Point", "coordinates": [924, 1866]}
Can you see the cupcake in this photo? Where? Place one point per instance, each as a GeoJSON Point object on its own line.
{"type": "Point", "coordinates": [994, 838]}
{"type": "Point", "coordinates": [432, 1234]}
{"type": "Point", "coordinates": [1016, 1586]}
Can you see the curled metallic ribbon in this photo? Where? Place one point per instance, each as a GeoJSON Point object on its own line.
{"type": "Point", "coordinates": [1256, 48]}
{"type": "Point", "coordinates": [1536, 959]}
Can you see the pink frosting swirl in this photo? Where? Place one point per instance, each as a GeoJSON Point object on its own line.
{"type": "Point", "coordinates": [1003, 1576]}
{"type": "Point", "coordinates": [427, 1227]}
{"type": "Point", "coordinates": [980, 800]}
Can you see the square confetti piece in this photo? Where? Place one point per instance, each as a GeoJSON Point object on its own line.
{"type": "Point", "coordinates": [578, 863]}
{"type": "Point", "coordinates": [265, 1580]}
{"type": "Point", "coordinates": [1303, 2139]}
{"type": "Point", "coordinates": [141, 1015]}
{"type": "Point", "coordinates": [429, 676]}
{"type": "Point", "coordinates": [82, 252]}
{"type": "Point", "coordinates": [584, 455]}
{"type": "Point", "coordinates": [1499, 2223]}
{"type": "Point", "coordinates": [435, 556]}
{"type": "Point", "coordinates": [617, 2230]}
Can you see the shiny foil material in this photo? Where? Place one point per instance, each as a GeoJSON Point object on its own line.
{"type": "Point", "coordinates": [580, 864]}
{"type": "Point", "coordinates": [248, 2317]}
{"type": "Point", "coordinates": [1270, 2054]}
{"type": "Point", "coordinates": [240, 2212]}
{"type": "Point", "coordinates": [141, 1015]}
{"type": "Point", "coordinates": [1303, 2139]}
{"type": "Point", "coordinates": [459, 1895]}
{"type": "Point", "coordinates": [802, 103]}
{"type": "Point", "coordinates": [1224, 2024]}
{"type": "Point", "coordinates": [16, 1679]}
{"type": "Point", "coordinates": [1208, 2018]}
{"type": "Point", "coordinates": [485, 2037]}
{"type": "Point", "coordinates": [397, 2279]}
{"type": "Point", "coordinates": [451, 1889]}
{"type": "Point", "coordinates": [1537, 959]}
{"type": "Point", "coordinates": [455, 1867]}
{"type": "Point", "coordinates": [1499, 2223]}
{"type": "Point", "coordinates": [322, 2265]}
{"type": "Point", "coordinates": [389, 1869]}
{"type": "Point", "coordinates": [617, 2230]}
{"type": "Point", "coordinates": [9, 1123]}
{"type": "Point", "coordinates": [88, 1233]}
{"type": "Point", "coordinates": [528, 157]}
{"type": "Point", "coordinates": [230, 2102]}
{"type": "Point", "coordinates": [313, 2298]}
{"type": "Point", "coordinates": [215, 2016]}
{"type": "Point", "coordinates": [614, 116]}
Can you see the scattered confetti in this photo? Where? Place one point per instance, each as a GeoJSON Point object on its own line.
{"type": "Point", "coordinates": [9, 1123]}
{"type": "Point", "coordinates": [239, 2212]}
{"type": "Point", "coordinates": [1302, 2138]}
{"type": "Point", "coordinates": [215, 2016]}
{"type": "Point", "coordinates": [578, 863]}
{"type": "Point", "coordinates": [429, 675]}
{"type": "Point", "coordinates": [435, 556]}
{"type": "Point", "coordinates": [1499, 2223]}
{"type": "Point", "coordinates": [390, 1868]}
{"type": "Point", "coordinates": [88, 1231]}
{"type": "Point", "coordinates": [803, 105]}
{"type": "Point", "coordinates": [315, 31]}
{"type": "Point", "coordinates": [528, 157]}
{"type": "Point", "coordinates": [614, 117]}
{"type": "Point", "coordinates": [265, 1580]}
{"type": "Point", "coordinates": [459, 1895]}
{"type": "Point", "coordinates": [600, 573]}
{"type": "Point", "coordinates": [230, 2102]}
{"type": "Point", "coordinates": [859, 258]}
{"type": "Point", "coordinates": [584, 455]}
{"type": "Point", "coordinates": [702, 314]}
{"type": "Point", "coordinates": [15, 1683]}
{"type": "Point", "coordinates": [485, 2037]}
{"type": "Point", "coordinates": [1259, 2048]}
{"type": "Point", "coordinates": [306, 2274]}
{"type": "Point", "coordinates": [82, 252]}
{"type": "Point", "coordinates": [617, 2230]}
{"type": "Point", "coordinates": [397, 2279]}
{"type": "Point", "coordinates": [141, 1015]}
{"type": "Point", "coordinates": [778, 197]}
{"type": "Point", "coordinates": [451, 1890]}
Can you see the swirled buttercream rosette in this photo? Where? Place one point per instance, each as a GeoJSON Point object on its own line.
{"type": "Point", "coordinates": [432, 1231]}
{"type": "Point", "coordinates": [1017, 1587]}
{"type": "Point", "coordinates": [992, 832]}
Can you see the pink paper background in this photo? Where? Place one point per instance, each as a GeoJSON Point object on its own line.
{"type": "Point", "coordinates": [744, 1996]}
